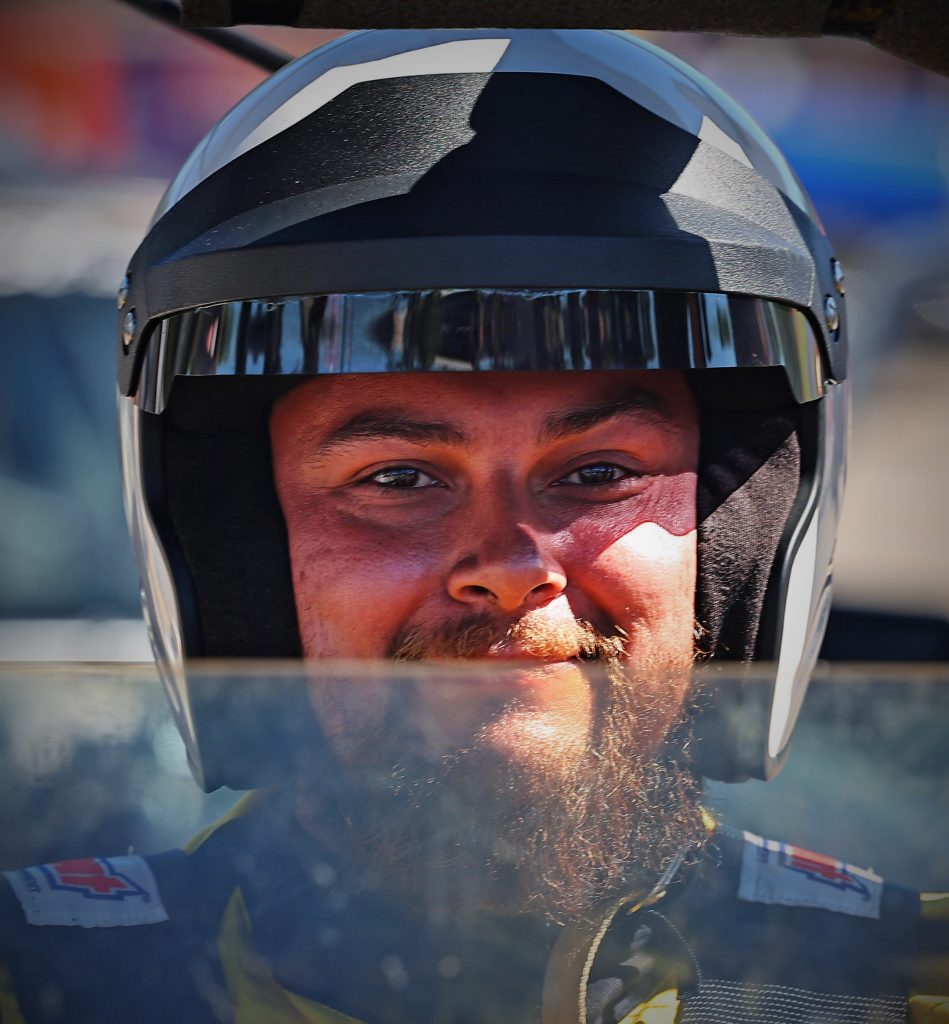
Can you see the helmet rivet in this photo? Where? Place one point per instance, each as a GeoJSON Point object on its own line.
{"type": "Point", "coordinates": [128, 329]}
{"type": "Point", "coordinates": [123, 292]}
{"type": "Point", "coordinates": [838, 271]}
{"type": "Point", "coordinates": [830, 312]}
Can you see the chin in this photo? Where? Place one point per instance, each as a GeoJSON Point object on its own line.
{"type": "Point", "coordinates": [546, 740]}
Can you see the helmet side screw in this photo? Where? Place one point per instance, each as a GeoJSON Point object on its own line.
{"type": "Point", "coordinates": [123, 295]}
{"type": "Point", "coordinates": [831, 314]}
{"type": "Point", "coordinates": [838, 272]}
{"type": "Point", "coordinates": [128, 329]}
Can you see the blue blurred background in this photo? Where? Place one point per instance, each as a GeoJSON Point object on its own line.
{"type": "Point", "coordinates": [98, 107]}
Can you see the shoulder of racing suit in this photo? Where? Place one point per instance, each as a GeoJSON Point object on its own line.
{"type": "Point", "coordinates": [757, 930]}
{"type": "Point", "coordinates": [110, 939]}
{"type": "Point", "coordinates": [760, 931]}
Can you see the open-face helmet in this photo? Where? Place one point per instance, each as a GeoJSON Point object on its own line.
{"type": "Point", "coordinates": [428, 201]}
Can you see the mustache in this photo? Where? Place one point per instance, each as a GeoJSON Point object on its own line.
{"type": "Point", "coordinates": [479, 635]}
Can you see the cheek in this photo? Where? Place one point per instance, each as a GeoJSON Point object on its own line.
{"type": "Point", "coordinates": [668, 503]}
{"type": "Point", "coordinates": [646, 582]}
{"type": "Point", "coordinates": [653, 569]}
{"type": "Point", "coordinates": [639, 566]}
{"type": "Point", "coordinates": [354, 585]}
{"type": "Point", "coordinates": [671, 504]}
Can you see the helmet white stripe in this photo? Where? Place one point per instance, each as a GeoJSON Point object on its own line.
{"type": "Point", "coordinates": [792, 675]}
{"type": "Point", "coordinates": [461, 56]}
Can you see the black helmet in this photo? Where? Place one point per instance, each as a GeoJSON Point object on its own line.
{"type": "Point", "coordinates": [481, 200]}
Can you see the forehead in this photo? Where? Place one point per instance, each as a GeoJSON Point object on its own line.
{"type": "Point", "coordinates": [475, 400]}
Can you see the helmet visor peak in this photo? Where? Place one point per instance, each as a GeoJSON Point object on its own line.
{"type": "Point", "coordinates": [481, 330]}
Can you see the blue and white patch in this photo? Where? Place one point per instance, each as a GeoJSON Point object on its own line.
{"type": "Point", "coordinates": [774, 872]}
{"type": "Point", "coordinates": [99, 892]}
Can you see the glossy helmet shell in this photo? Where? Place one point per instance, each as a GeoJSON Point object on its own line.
{"type": "Point", "coordinates": [546, 166]}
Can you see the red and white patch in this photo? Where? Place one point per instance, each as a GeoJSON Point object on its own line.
{"type": "Point", "coordinates": [778, 873]}
{"type": "Point", "coordinates": [99, 892]}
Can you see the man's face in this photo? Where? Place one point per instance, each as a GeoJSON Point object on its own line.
{"type": "Point", "coordinates": [437, 516]}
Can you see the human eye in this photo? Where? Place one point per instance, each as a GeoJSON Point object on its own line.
{"type": "Point", "coordinates": [400, 478]}
{"type": "Point", "coordinates": [597, 474]}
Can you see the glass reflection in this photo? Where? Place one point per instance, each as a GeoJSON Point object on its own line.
{"type": "Point", "coordinates": [482, 329]}
{"type": "Point", "coordinates": [383, 875]}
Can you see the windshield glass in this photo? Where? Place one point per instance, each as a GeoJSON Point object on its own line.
{"type": "Point", "coordinates": [401, 856]}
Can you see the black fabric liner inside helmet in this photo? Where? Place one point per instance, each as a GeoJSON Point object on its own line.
{"type": "Point", "coordinates": [220, 496]}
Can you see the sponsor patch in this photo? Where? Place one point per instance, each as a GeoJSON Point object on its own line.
{"type": "Point", "coordinates": [778, 873]}
{"type": "Point", "coordinates": [97, 892]}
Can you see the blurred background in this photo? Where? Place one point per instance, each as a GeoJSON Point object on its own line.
{"type": "Point", "coordinates": [99, 105]}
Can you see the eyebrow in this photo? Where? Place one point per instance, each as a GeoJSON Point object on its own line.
{"type": "Point", "coordinates": [637, 401]}
{"type": "Point", "coordinates": [378, 425]}
{"type": "Point", "coordinates": [383, 424]}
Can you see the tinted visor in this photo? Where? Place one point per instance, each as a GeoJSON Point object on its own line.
{"type": "Point", "coordinates": [483, 329]}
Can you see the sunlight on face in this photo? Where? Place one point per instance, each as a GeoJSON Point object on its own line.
{"type": "Point", "coordinates": [513, 511]}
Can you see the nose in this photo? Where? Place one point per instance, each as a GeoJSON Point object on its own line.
{"type": "Point", "coordinates": [514, 569]}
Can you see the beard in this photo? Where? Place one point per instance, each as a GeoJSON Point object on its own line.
{"type": "Point", "coordinates": [574, 821]}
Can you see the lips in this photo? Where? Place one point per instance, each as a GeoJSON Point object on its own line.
{"type": "Point", "coordinates": [508, 650]}
{"type": "Point", "coordinates": [534, 637]}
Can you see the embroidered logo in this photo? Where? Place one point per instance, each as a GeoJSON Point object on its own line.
{"type": "Point", "coordinates": [823, 869]}
{"type": "Point", "coordinates": [774, 872]}
{"type": "Point", "coordinates": [96, 892]}
{"type": "Point", "coordinates": [95, 879]}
